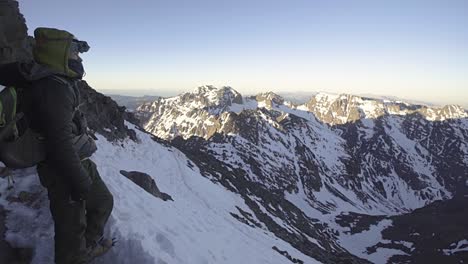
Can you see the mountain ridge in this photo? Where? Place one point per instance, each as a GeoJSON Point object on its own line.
{"type": "Point", "coordinates": [210, 103]}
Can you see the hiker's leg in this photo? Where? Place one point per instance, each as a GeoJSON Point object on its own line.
{"type": "Point", "coordinates": [99, 203]}
{"type": "Point", "coordinates": [69, 220]}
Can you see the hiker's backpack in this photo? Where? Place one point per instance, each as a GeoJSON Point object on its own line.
{"type": "Point", "coordinates": [20, 147]}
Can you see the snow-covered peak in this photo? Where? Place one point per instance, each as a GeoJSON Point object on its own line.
{"type": "Point", "coordinates": [325, 97]}
{"type": "Point", "coordinates": [213, 96]}
{"type": "Point", "coordinates": [269, 99]}
{"type": "Point", "coordinates": [445, 112]}
{"type": "Point", "coordinates": [204, 89]}
{"type": "Point", "coordinates": [269, 96]}
{"type": "Point", "coordinates": [344, 108]}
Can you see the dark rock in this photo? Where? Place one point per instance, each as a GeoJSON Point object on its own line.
{"type": "Point", "coordinates": [270, 99]}
{"type": "Point", "coordinates": [433, 232]}
{"type": "Point", "coordinates": [286, 254]}
{"type": "Point", "coordinates": [104, 116]}
{"type": "Point", "coordinates": [146, 183]}
{"type": "Point", "coordinates": [357, 223]}
{"type": "Point", "coordinates": [14, 42]}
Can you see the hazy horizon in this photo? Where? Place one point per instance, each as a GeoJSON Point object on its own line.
{"type": "Point", "coordinates": [302, 95]}
{"type": "Point", "coordinates": [416, 50]}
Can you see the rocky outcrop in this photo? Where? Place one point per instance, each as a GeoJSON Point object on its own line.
{"type": "Point", "coordinates": [104, 116]}
{"type": "Point", "coordinates": [14, 42]}
{"type": "Point", "coordinates": [270, 99]}
{"type": "Point", "coordinates": [434, 234]}
{"type": "Point", "coordinates": [146, 183]}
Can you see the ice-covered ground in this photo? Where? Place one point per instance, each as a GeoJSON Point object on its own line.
{"type": "Point", "coordinates": [195, 228]}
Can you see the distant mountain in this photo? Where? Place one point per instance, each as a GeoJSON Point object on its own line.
{"type": "Point", "coordinates": [132, 102]}
{"type": "Point", "coordinates": [333, 155]}
{"type": "Point", "coordinates": [203, 111]}
{"type": "Point", "coordinates": [302, 97]}
{"type": "Point", "coordinates": [297, 97]}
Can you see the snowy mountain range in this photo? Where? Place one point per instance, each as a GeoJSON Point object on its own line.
{"type": "Point", "coordinates": [332, 155]}
{"type": "Point", "coordinates": [192, 113]}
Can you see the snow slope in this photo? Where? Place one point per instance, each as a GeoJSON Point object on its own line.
{"type": "Point", "coordinates": [196, 228]}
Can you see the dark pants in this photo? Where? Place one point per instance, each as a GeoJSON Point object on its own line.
{"type": "Point", "coordinates": [76, 223]}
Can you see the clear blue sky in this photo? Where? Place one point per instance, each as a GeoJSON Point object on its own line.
{"type": "Point", "coordinates": [412, 49]}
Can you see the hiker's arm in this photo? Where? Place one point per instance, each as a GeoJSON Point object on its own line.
{"type": "Point", "coordinates": [56, 110]}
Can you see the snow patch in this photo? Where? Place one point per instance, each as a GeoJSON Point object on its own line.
{"type": "Point", "coordinates": [460, 246]}
{"type": "Point", "coordinates": [358, 243]}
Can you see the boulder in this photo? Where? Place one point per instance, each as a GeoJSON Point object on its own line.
{"type": "Point", "coordinates": [146, 183]}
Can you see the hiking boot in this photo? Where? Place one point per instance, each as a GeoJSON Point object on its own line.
{"type": "Point", "coordinates": [99, 248]}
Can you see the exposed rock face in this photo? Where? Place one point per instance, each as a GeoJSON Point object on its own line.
{"type": "Point", "coordinates": [14, 42]}
{"type": "Point", "coordinates": [146, 183]}
{"type": "Point", "coordinates": [433, 234]}
{"type": "Point", "coordinates": [104, 116]}
{"type": "Point", "coordinates": [269, 99]}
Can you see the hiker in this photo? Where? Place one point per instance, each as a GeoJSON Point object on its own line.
{"type": "Point", "coordinates": [80, 202]}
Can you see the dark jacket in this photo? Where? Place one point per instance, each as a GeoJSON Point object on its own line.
{"type": "Point", "coordinates": [50, 105]}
